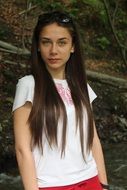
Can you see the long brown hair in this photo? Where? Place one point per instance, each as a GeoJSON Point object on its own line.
{"type": "Point", "coordinates": [48, 106]}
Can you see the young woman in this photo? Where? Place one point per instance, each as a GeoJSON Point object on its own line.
{"type": "Point", "coordinates": [56, 142]}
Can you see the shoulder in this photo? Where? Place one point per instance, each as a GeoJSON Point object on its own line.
{"type": "Point", "coordinates": [27, 80]}
{"type": "Point", "coordinates": [24, 91]}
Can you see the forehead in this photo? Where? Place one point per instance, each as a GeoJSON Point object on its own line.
{"type": "Point", "coordinates": [55, 31]}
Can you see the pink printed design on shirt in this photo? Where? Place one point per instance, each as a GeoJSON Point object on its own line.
{"type": "Point", "coordinates": [64, 93]}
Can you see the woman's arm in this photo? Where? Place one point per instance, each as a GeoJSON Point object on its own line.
{"type": "Point", "coordinates": [23, 147]}
{"type": "Point", "coordinates": [99, 158]}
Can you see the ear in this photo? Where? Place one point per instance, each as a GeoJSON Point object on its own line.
{"type": "Point", "coordinates": [72, 49]}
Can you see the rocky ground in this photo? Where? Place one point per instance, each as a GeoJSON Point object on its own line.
{"type": "Point", "coordinates": [110, 108]}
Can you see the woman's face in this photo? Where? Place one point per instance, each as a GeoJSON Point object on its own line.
{"type": "Point", "coordinates": [55, 46]}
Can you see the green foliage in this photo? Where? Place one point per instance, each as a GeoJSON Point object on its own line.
{"type": "Point", "coordinates": [121, 35]}
{"type": "Point", "coordinates": [50, 5]}
{"type": "Point", "coordinates": [103, 42]}
{"type": "Point", "coordinates": [103, 17]}
{"type": "Point", "coordinates": [55, 6]}
{"type": "Point", "coordinates": [97, 4]}
{"type": "Point", "coordinates": [121, 25]}
{"type": "Point", "coordinates": [91, 16]}
{"type": "Point", "coordinates": [76, 8]}
{"type": "Point", "coordinates": [5, 32]}
{"type": "Point", "coordinates": [98, 8]}
{"type": "Point", "coordinates": [2, 33]}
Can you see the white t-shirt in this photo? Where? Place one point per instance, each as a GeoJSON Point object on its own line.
{"type": "Point", "coordinates": [52, 169]}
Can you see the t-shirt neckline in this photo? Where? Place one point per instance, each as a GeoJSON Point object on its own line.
{"type": "Point", "coordinates": [62, 82]}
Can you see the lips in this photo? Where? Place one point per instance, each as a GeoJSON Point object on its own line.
{"type": "Point", "coordinates": [53, 60]}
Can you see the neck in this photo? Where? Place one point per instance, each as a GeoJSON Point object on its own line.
{"type": "Point", "coordinates": [57, 74]}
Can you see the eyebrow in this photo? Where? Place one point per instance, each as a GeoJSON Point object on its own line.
{"type": "Point", "coordinates": [45, 38]}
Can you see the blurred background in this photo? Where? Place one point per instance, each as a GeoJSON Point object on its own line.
{"type": "Point", "coordinates": [103, 27]}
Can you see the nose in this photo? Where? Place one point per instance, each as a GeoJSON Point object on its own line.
{"type": "Point", "coordinates": [54, 49]}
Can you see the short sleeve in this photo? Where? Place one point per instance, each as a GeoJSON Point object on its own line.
{"type": "Point", "coordinates": [24, 91]}
{"type": "Point", "coordinates": [91, 93]}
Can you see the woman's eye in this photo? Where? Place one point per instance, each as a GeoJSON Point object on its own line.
{"type": "Point", "coordinates": [45, 42]}
{"type": "Point", "coordinates": [62, 43]}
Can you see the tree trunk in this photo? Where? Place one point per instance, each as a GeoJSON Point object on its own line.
{"type": "Point", "coordinates": [107, 79]}
{"type": "Point", "coordinates": [12, 49]}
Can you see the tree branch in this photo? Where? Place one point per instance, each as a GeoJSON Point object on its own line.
{"type": "Point", "coordinates": [107, 79]}
{"type": "Point", "coordinates": [28, 10]}
{"type": "Point", "coordinates": [115, 11]}
{"type": "Point", "coordinates": [9, 48]}
{"type": "Point", "coordinates": [121, 46]}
